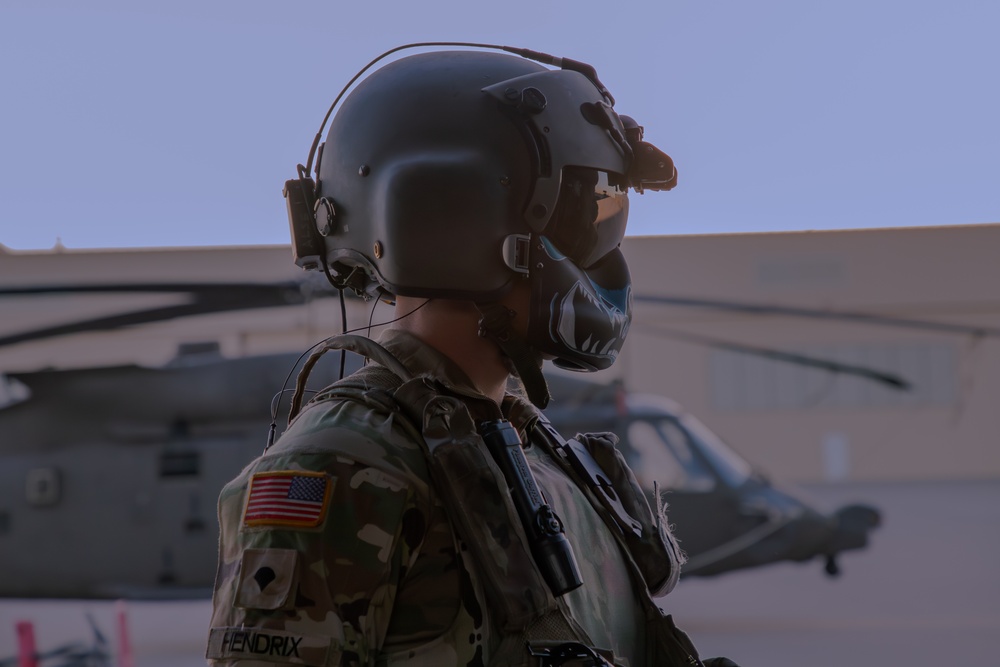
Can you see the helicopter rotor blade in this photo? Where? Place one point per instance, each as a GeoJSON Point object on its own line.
{"type": "Point", "coordinates": [892, 381]}
{"type": "Point", "coordinates": [247, 291]}
{"type": "Point", "coordinates": [204, 298]}
{"type": "Point", "coordinates": [817, 313]}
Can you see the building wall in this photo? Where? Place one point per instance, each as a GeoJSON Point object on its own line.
{"type": "Point", "coordinates": [809, 424]}
{"type": "Point", "coordinates": [796, 423]}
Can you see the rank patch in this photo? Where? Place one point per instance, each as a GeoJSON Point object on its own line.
{"type": "Point", "coordinates": [267, 579]}
{"type": "Point", "coordinates": [287, 498]}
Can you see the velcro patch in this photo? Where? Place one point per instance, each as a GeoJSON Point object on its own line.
{"type": "Point", "coordinates": [267, 645]}
{"type": "Point", "coordinates": [291, 498]}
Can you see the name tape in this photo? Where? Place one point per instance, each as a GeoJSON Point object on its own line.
{"type": "Point", "coordinates": [267, 645]}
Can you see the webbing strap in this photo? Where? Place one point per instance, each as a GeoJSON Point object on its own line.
{"type": "Point", "coordinates": [475, 493]}
{"type": "Point", "coordinates": [643, 551]}
{"type": "Point", "coordinates": [497, 323]}
{"type": "Point", "coordinates": [357, 344]}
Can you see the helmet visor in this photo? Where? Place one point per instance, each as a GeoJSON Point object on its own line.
{"type": "Point", "coordinates": [590, 216]}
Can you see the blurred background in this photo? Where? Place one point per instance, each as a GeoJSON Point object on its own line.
{"type": "Point", "coordinates": [813, 369]}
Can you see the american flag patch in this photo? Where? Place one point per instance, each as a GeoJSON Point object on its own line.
{"type": "Point", "coordinates": [287, 498]}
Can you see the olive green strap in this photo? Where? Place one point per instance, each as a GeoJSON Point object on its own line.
{"type": "Point", "coordinates": [475, 493]}
{"type": "Point", "coordinates": [496, 325]}
{"type": "Point", "coordinates": [366, 347]}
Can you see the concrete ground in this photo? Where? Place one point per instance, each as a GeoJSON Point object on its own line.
{"type": "Point", "coordinates": [926, 593]}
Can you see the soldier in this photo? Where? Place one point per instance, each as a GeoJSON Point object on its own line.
{"type": "Point", "coordinates": [418, 512]}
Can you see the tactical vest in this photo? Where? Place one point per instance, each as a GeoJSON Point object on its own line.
{"type": "Point", "coordinates": [532, 622]}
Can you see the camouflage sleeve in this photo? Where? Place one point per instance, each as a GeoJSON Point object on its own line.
{"type": "Point", "coordinates": [315, 538]}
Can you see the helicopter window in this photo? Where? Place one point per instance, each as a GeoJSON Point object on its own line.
{"type": "Point", "coordinates": [42, 487]}
{"type": "Point", "coordinates": [12, 392]}
{"type": "Point", "coordinates": [732, 467]}
{"type": "Point", "coordinates": [665, 455]}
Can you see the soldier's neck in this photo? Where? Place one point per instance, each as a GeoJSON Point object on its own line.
{"type": "Point", "coordinates": [452, 327]}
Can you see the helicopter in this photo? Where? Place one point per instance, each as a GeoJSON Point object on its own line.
{"type": "Point", "coordinates": [110, 474]}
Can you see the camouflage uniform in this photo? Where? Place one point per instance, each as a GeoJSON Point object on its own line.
{"type": "Point", "coordinates": [366, 568]}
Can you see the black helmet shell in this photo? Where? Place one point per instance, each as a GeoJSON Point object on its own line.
{"type": "Point", "coordinates": [434, 160]}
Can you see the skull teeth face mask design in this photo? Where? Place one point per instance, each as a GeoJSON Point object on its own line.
{"type": "Point", "coordinates": [579, 317]}
{"type": "Point", "coordinates": [573, 317]}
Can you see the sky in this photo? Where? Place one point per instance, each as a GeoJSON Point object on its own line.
{"type": "Point", "coordinates": [138, 124]}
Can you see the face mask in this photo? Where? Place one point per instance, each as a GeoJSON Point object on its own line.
{"type": "Point", "coordinates": [578, 316]}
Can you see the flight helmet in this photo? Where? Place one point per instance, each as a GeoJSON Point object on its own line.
{"type": "Point", "coordinates": [455, 174]}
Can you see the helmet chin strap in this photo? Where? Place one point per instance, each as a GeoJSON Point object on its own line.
{"type": "Point", "coordinates": [495, 324]}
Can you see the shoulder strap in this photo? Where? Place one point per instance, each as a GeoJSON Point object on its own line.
{"type": "Point", "coordinates": [475, 493]}
{"type": "Point", "coordinates": [371, 383]}
{"type": "Point", "coordinates": [358, 344]}
{"type": "Point", "coordinates": [481, 510]}
{"type": "Point", "coordinates": [597, 463]}
{"type": "Point", "coordinates": [594, 462]}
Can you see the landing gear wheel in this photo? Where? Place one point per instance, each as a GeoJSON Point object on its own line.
{"type": "Point", "coordinates": [831, 567]}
